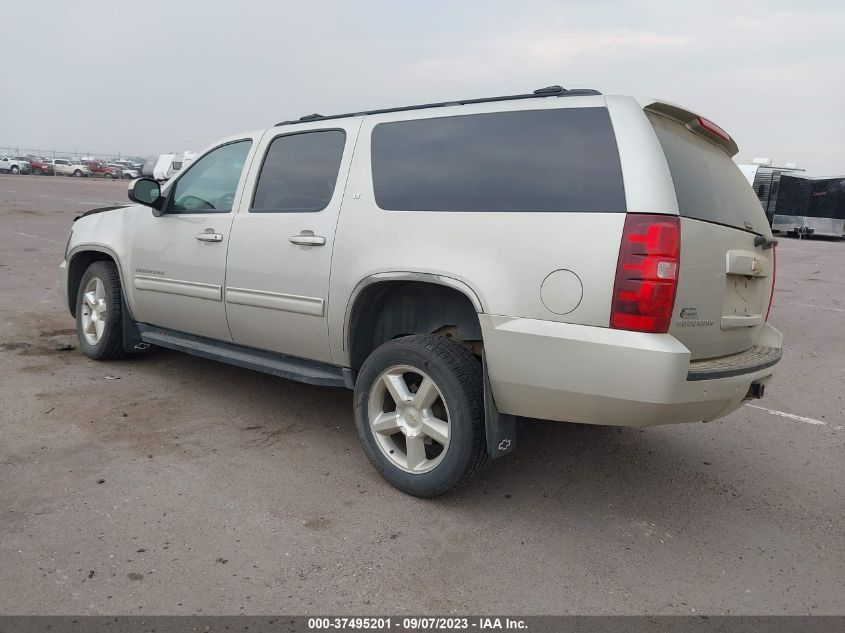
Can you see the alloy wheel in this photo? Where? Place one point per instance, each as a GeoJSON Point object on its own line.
{"type": "Point", "coordinates": [409, 419]}
{"type": "Point", "coordinates": [94, 311]}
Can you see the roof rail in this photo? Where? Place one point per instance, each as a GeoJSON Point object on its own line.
{"type": "Point", "coordinates": [548, 91]}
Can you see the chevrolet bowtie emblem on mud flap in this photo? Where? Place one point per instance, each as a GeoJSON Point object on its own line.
{"type": "Point", "coordinates": [756, 266]}
{"type": "Point", "coordinates": [504, 445]}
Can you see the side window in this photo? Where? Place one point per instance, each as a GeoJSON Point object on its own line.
{"type": "Point", "coordinates": [299, 173]}
{"type": "Point", "coordinates": [548, 160]}
{"type": "Point", "coordinates": [209, 185]}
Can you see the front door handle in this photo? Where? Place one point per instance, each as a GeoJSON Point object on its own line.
{"type": "Point", "coordinates": [209, 237]}
{"type": "Point", "coordinates": [305, 239]}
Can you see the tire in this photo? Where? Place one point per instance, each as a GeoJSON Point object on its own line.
{"type": "Point", "coordinates": [100, 342]}
{"type": "Point", "coordinates": [457, 414]}
{"type": "Point", "coordinates": [77, 173]}
{"type": "Point", "coordinates": [14, 170]}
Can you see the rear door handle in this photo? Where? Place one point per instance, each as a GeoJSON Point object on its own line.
{"type": "Point", "coordinates": [209, 237]}
{"type": "Point", "coordinates": [308, 240]}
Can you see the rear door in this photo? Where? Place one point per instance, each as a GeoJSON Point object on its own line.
{"type": "Point", "coordinates": [725, 281]}
{"type": "Point", "coordinates": [277, 271]}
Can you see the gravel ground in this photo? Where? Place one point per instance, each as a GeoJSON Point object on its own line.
{"type": "Point", "coordinates": [168, 484]}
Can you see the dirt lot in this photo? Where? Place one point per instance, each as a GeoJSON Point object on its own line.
{"type": "Point", "coordinates": [170, 484]}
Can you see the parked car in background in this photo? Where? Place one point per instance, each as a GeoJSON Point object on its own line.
{"type": "Point", "coordinates": [125, 171]}
{"type": "Point", "coordinates": [127, 164]}
{"type": "Point", "coordinates": [40, 166]}
{"type": "Point", "coordinates": [68, 167]}
{"type": "Point", "coordinates": [26, 160]}
{"type": "Point", "coordinates": [102, 169]}
{"type": "Point", "coordinates": [13, 165]}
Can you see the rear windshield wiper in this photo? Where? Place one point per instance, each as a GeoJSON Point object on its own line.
{"type": "Point", "coordinates": [765, 242]}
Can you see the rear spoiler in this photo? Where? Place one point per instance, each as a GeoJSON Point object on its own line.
{"type": "Point", "coordinates": [695, 123]}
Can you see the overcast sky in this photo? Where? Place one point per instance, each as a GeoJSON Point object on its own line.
{"type": "Point", "coordinates": [149, 77]}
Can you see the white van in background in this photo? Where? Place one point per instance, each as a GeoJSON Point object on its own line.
{"type": "Point", "coordinates": [166, 166]}
{"type": "Point", "coordinates": [179, 162]}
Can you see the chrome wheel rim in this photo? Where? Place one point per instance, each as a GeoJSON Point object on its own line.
{"type": "Point", "coordinates": [94, 311]}
{"type": "Point", "coordinates": [409, 419]}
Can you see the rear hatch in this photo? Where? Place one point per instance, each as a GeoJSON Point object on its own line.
{"type": "Point", "coordinates": [724, 280]}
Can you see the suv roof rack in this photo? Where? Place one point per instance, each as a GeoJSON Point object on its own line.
{"type": "Point", "coordinates": [548, 91]}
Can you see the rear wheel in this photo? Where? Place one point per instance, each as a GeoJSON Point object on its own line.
{"type": "Point", "coordinates": [99, 327]}
{"type": "Point", "coordinates": [419, 408]}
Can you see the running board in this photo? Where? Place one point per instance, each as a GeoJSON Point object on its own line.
{"type": "Point", "coordinates": [290, 367]}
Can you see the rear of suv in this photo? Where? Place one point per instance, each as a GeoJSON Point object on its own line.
{"type": "Point", "coordinates": [561, 255]}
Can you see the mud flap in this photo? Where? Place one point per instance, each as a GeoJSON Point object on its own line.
{"type": "Point", "coordinates": [500, 428]}
{"type": "Point", "coordinates": [131, 336]}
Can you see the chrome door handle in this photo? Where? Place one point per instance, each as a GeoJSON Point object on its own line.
{"type": "Point", "coordinates": [209, 237]}
{"type": "Point", "coordinates": [308, 240]}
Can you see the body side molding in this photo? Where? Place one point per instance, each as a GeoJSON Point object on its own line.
{"type": "Point", "coordinates": [195, 289]}
{"type": "Point", "coordinates": [313, 306]}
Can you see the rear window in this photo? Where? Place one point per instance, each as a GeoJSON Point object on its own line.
{"type": "Point", "coordinates": [533, 161]}
{"type": "Point", "coordinates": [708, 184]}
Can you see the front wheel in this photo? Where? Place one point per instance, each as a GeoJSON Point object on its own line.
{"type": "Point", "coordinates": [99, 327]}
{"type": "Point", "coordinates": [419, 409]}
{"type": "Point", "coordinates": [77, 173]}
{"type": "Point", "coordinates": [14, 170]}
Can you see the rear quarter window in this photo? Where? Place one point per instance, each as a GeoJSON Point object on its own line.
{"type": "Point", "coordinates": [555, 160]}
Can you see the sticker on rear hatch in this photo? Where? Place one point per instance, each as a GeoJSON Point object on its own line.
{"type": "Point", "coordinates": [689, 318]}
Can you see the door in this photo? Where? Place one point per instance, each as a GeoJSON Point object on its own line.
{"type": "Point", "coordinates": [277, 272]}
{"type": "Point", "coordinates": [726, 275]}
{"type": "Point", "coordinates": [179, 258]}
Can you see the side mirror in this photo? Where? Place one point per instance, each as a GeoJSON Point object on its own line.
{"type": "Point", "coordinates": [146, 191]}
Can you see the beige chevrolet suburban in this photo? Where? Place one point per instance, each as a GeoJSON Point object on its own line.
{"type": "Point", "coordinates": [561, 255]}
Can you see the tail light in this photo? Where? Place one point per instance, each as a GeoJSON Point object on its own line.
{"type": "Point", "coordinates": [774, 279]}
{"type": "Point", "coordinates": [712, 128]}
{"type": "Point", "coordinates": [647, 273]}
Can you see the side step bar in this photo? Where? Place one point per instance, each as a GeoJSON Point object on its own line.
{"type": "Point", "coordinates": [292, 368]}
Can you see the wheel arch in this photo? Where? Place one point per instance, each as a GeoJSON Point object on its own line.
{"type": "Point", "coordinates": [78, 261]}
{"type": "Point", "coordinates": [385, 306]}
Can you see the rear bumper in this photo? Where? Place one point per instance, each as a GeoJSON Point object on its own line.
{"type": "Point", "coordinates": [576, 373]}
